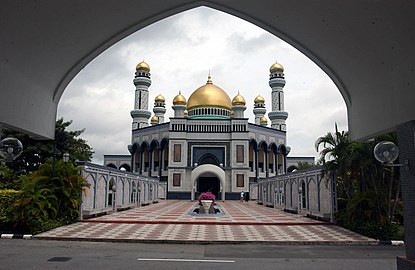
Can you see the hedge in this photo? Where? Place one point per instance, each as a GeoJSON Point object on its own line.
{"type": "Point", "coordinates": [7, 199]}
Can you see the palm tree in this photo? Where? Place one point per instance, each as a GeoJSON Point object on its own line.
{"type": "Point", "coordinates": [335, 157]}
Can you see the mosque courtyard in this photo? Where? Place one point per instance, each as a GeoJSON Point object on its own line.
{"type": "Point", "coordinates": [173, 221]}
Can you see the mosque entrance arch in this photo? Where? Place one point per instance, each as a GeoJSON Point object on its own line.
{"type": "Point", "coordinates": [208, 177]}
{"type": "Point", "coordinates": [208, 183]}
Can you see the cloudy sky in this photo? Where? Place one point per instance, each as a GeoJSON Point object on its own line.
{"type": "Point", "coordinates": [180, 51]}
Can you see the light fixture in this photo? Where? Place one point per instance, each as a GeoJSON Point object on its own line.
{"type": "Point", "coordinates": [386, 152]}
{"type": "Point", "coordinates": [66, 157]}
{"type": "Point", "coordinates": [10, 149]}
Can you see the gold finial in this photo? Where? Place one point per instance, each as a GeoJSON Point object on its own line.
{"type": "Point", "coordinates": [209, 78]}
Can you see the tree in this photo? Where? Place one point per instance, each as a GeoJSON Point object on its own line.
{"type": "Point", "coordinates": [36, 152]}
{"type": "Point", "coordinates": [335, 157]}
{"type": "Point", "coordinates": [304, 165]}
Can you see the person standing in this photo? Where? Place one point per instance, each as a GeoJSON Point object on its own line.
{"type": "Point", "coordinates": [242, 196]}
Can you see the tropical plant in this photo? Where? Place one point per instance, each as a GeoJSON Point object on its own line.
{"type": "Point", "coordinates": [335, 157]}
{"type": "Point", "coordinates": [51, 193]}
{"type": "Point", "coordinates": [8, 178]}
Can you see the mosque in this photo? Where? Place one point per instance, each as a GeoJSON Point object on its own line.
{"type": "Point", "coordinates": [209, 144]}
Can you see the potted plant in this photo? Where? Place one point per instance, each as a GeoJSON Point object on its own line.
{"type": "Point", "coordinates": [206, 202]}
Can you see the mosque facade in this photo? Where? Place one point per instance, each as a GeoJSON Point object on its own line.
{"type": "Point", "coordinates": [209, 144]}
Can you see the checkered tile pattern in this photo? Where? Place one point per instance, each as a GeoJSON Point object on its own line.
{"type": "Point", "coordinates": [170, 221]}
{"type": "Point", "coordinates": [234, 212]}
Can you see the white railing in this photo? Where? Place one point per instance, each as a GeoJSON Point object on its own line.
{"type": "Point", "coordinates": [113, 190]}
{"type": "Point", "coordinates": [307, 192]}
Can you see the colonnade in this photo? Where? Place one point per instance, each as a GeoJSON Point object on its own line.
{"type": "Point", "coordinates": [308, 192]}
{"type": "Point", "coordinates": [112, 190]}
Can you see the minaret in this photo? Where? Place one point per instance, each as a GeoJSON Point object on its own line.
{"type": "Point", "coordinates": [159, 108]}
{"type": "Point", "coordinates": [238, 106]}
{"type": "Point", "coordinates": [259, 109]}
{"type": "Point", "coordinates": [277, 83]}
{"type": "Point", "coordinates": [179, 105]}
{"type": "Point", "coordinates": [142, 82]}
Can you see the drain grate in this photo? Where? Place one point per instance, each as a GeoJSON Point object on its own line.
{"type": "Point", "coordinates": [59, 259]}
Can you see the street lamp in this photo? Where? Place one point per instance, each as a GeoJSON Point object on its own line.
{"type": "Point", "coordinates": [66, 157]}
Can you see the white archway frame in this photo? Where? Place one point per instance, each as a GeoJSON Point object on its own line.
{"type": "Point", "coordinates": [201, 169]}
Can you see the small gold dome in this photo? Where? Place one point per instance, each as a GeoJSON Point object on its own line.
{"type": "Point", "coordinates": [276, 67]}
{"type": "Point", "coordinates": [179, 99]}
{"type": "Point", "coordinates": [154, 119]}
{"type": "Point", "coordinates": [160, 98]}
{"type": "Point", "coordinates": [232, 113]}
{"type": "Point", "coordinates": [142, 66]}
{"type": "Point", "coordinates": [259, 99]}
{"type": "Point", "coordinates": [238, 100]}
{"type": "Point", "coordinates": [186, 113]}
{"type": "Point", "coordinates": [209, 95]}
{"type": "Point", "coordinates": [263, 120]}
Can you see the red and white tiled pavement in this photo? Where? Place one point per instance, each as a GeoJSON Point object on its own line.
{"type": "Point", "coordinates": [173, 221]}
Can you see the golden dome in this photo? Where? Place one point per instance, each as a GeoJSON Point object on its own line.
{"type": "Point", "coordinates": [276, 67]}
{"type": "Point", "coordinates": [232, 113]}
{"type": "Point", "coordinates": [154, 119]}
{"type": "Point", "coordinates": [209, 95]}
{"type": "Point", "coordinates": [142, 66]}
{"type": "Point", "coordinates": [259, 99]}
{"type": "Point", "coordinates": [160, 98]}
{"type": "Point", "coordinates": [238, 100]}
{"type": "Point", "coordinates": [186, 113]}
{"type": "Point", "coordinates": [179, 99]}
{"type": "Point", "coordinates": [263, 120]}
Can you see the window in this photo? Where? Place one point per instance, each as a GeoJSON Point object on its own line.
{"type": "Point", "coordinates": [239, 153]}
{"type": "Point", "coordinates": [240, 180]}
{"type": "Point", "coordinates": [176, 179]}
{"type": "Point", "coordinates": [177, 153]}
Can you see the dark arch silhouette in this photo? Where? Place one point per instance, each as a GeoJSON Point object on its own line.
{"type": "Point", "coordinates": [208, 159]}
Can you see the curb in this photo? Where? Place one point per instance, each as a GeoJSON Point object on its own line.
{"type": "Point", "coordinates": [211, 242]}
{"type": "Point", "coordinates": [16, 236]}
{"type": "Point", "coordinates": [392, 242]}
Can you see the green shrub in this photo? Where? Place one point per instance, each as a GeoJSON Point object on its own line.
{"type": "Point", "coordinates": [39, 226]}
{"type": "Point", "coordinates": [50, 196]}
{"type": "Point", "coordinates": [7, 199]}
{"type": "Point", "coordinates": [370, 228]}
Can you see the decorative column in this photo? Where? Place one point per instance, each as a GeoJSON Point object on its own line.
{"type": "Point", "coordinates": [277, 83]}
{"type": "Point", "coordinates": [142, 82]}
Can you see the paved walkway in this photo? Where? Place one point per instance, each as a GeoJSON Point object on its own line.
{"type": "Point", "coordinates": [173, 221]}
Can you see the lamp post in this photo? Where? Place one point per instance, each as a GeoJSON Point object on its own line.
{"type": "Point", "coordinates": [54, 156]}
{"type": "Point", "coordinates": [66, 157]}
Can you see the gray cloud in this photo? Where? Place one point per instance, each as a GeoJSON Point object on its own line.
{"type": "Point", "coordinates": [180, 51]}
